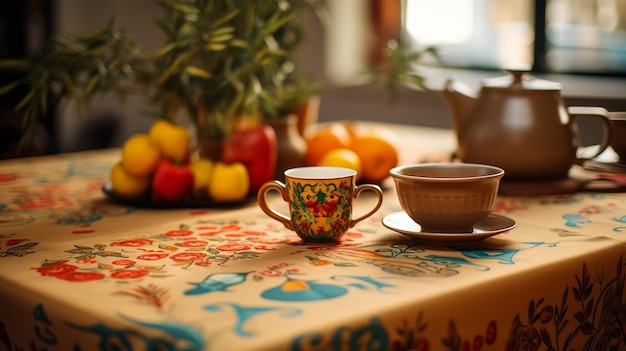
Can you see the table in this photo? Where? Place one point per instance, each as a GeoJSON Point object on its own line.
{"type": "Point", "coordinates": [79, 272]}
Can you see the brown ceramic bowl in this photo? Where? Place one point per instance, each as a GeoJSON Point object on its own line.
{"type": "Point", "coordinates": [618, 134]}
{"type": "Point", "coordinates": [447, 197]}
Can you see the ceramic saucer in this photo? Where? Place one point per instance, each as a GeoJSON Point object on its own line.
{"type": "Point", "coordinates": [492, 225]}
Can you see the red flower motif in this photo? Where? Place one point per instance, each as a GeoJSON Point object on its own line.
{"type": "Point", "coordinates": [7, 177]}
{"type": "Point", "coordinates": [32, 203]}
{"type": "Point", "coordinates": [12, 242]}
{"type": "Point", "coordinates": [269, 273]}
{"type": "Point", "coordinates": [234, 247]}
{"type": "Point", "coordinates": [152, 256]}
{"type": "Point", "coordinates": [188, 256]}
{"type": "Point", "coordinates": [353, 234]}
{"type": "Point", "coordinates": [210, 232]}
{"type": "Point", "coordinates": [132, 243]}
{"type": "Point", "coordinates": [231, 227]}
{"type": "Point", "coordinates": [180, 232]}
{"type": "Point", "coordinates": [129, 273]}
{"type": "Point", "coordinates": [125, 263]}
{"type": "Point", "coordinates": [234, 234]}
{"type": "Point", "coordinates": [278, 265]}
{"type": "Point", "coordinates": [264, 247]}
{"type": "Point", "coordinates": [57, 270]}
{"type": "Point", "coordinates": [82, 276]}
{"type": "Point", "coordinates": [194, 243]}
{"type": "Point", "coordinates": [255, 233]}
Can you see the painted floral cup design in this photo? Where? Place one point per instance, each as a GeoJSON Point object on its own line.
{"type": "Point", "coordinates": [320, 202]}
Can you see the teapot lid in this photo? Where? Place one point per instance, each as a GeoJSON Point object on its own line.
{"type": "Point", "coordinates": [518, 81]}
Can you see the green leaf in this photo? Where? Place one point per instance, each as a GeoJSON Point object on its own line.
{"type": "Point", "coordinates": [70, 90]}
{"type": "Point", "coordinates": [92, 84]}
{"type": "Point", "coordinates": [8, 87]}
{"type": "Point", "coordinates": [25, 100]}
{"type": "Point", "coordinates": [224, 19]}
{"type": "Point", "coordinates": [239, 43]}
{"type": "Point", "coordinates": [197, 72]}
{"type": "Point", "coordinates": [187, 10]}
{"type": "Point", "coordinates": [224, 31]}
{"type": "Point", "coordinates": [43, 101]}
{"type": "Point", "coordinates": [166, 49]}
{"type": "Point", "coordinates": [221, 38]}
{"type": "Point", "coordinates": [14, 64]}
{"type": "Point", "coordinates": [179, 61]}
{"type": "Point", "coordinates": [215, 47]}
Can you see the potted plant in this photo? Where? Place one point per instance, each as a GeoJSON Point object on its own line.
{"type": "Point", "coordinates": [220, 57]}
{"type": "Point", "coordinates": [222, 67]}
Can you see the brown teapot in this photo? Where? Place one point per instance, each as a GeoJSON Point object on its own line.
{"type": "Point", "coordinates": [520, 124]}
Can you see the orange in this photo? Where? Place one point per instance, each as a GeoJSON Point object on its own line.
{"type": "Point", "coordinates": [328, 137]}
{"type": "Point", "coordinates": [342, 157]}
{"type": "Point", "coordinates": [377, 152]}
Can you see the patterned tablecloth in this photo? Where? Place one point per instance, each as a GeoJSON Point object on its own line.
{"type": "Point", "coordinates": [79, 272]}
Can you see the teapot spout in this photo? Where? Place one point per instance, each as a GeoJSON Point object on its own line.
{"type": "Point", "coordinates": [460, 98]}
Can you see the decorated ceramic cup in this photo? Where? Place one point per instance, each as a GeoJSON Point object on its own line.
{"type": "Point", "coordinates": [320, 202]}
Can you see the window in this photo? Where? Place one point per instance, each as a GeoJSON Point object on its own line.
{"type": "Point", "coordinates": [565, 36]}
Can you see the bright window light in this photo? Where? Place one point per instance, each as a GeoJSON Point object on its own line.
{"type": "Point", "coordinates": [439, 22]}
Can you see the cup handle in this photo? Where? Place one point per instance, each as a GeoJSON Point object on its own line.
{"type": "Point", "coordinates": [598, 112]}
{"type": "Point", "coordinates": [379, 193]}
{"type": "Point", "coordinates": [282, 189]}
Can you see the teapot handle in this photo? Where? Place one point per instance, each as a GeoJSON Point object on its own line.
{"type": "Point", "coordinates": [600, 113]}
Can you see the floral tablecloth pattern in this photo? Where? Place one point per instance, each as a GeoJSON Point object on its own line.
{"type": "Point", "coordinates": [79, 272]}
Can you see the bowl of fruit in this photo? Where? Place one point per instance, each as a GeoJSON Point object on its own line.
{"type": "Point", "coordinates": [156, 169]}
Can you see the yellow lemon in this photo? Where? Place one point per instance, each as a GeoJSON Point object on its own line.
{"type": "Point", "coordinates": [173, 140]}
{"type": "Point", "coordinates": [342, 157]}
{"type": "Point", "coordinates": [140, 155]}
{"type": "Point", "coordinates": [126, 185]}
{"type": "Point", "coordinates": [202, 170]}
{"type": "Point", "coordinates": [229, 182]}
